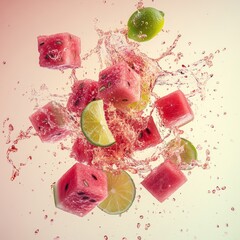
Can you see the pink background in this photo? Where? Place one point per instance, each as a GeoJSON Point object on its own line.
{"type": "Point", "coordinates": [26, 204]}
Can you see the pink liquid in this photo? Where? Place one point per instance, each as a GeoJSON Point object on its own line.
{"type": "Point", "coordinates": [114, 46]}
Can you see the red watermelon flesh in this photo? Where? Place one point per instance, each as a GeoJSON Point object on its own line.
{"type": "Point", "coordinates": [174, 109]}
{"type": "Point", "coordinates": [59, 51]}
{"type": "Point", "coordinates": [149, 136]}
{"type": "Point", "coordinates": [83, 92]}
{"type": "Point", "coordinates": [82, 151]}
{"type": "Point", "coordinates": [119, 84]}
{"type": "Point", "coordinates": [164, 180]}
{"type": "Point", "coordinates": [50, 122]}
{"type": "Point", "coordinates": [80, 189]}
{"type": "Point", "coordinates": [136, 62]}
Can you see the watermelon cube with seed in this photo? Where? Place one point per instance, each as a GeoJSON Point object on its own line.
{"type": "Point", "coordinates": [50, 122]}
{"type": "Point", "coordinates": [149, 136]}
{"type": "Point", "coordinates": [119, 84]}
{"type": "Point", "coordinates": [164, 180]}
{"type": "Point", "coordinates": [174, 109]}
{"type": "Point", "coordinates": [80, 189]}
{"type": "Point", "coordinates": [59, 51]}
{"type": "Point", "coordinates": [83, 92]}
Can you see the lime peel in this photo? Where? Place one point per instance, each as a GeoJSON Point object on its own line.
{"type": "Point", "coordinates": [187, 154]}
{"type": "Point", "coordinates": [145, 23]}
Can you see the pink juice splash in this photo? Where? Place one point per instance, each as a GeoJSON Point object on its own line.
{"type": "Point", "coordinates": [112, 47]}
{"type": "Point", "coordinates": [13, 147]}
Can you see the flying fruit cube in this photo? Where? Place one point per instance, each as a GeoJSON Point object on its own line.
{"type": "Point", "coordinates": [80, 189]}
{"type": "Point", "coordinates": [174, 109]}
{"type": "Point", "coordinates": [149, 136]}
{"type": "Point", "coordinates": [164, 180]}
{"type": "Point", "coordinates": [119, 84]}
{"type": "Point", "coordinates": [50, 122]}
{"type": "Point", "coordinates": [83, 92]}
{"type": "Point", "coordinates": [59, 51]}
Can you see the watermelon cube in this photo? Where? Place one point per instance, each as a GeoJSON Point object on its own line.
{"type": "Point", "coordinates": [83, 92]}
{"type": "Point", "coordinates": [50, 122]}
{"type": "Point", "coordinates": [149, 136]}
{"type": "Point", "coordinates": [82, 151]}
{"type": "Point", "coordinates": [164, 180]}
{"type": "Point", "coordinates": [174, 109]}
{"type": "Point", "coordinates": [80, 189]}
{"type": "Point", "coordinates": [59, 51]}
{"type": "Point", "coordinates": [119, 84]}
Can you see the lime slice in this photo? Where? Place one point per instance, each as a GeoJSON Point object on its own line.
{"type": "Point", "coordinates": [188, 152]}
{"type": "Point", "coordinates": [94, 125]}
{"type": "Point", "coordinates": [145, 23]}
{"type": "Point", "coordinates": [121, 193]}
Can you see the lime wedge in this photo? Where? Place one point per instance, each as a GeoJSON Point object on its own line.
{"type": "Point", "coordinates": [121, 193]}
{"type": "Point", "coordinates": [145, 23]}
{"type": "Point", "coordinates": [94, 125]}
{"type": "Point", "coordinates": [188, 152]}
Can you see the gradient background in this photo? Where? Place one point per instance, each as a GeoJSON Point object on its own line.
{"type": "Point", "coordinates": [26, 204]}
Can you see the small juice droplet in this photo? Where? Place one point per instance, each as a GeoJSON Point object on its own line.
{"type": "Point", "coordinates": [147, 226]}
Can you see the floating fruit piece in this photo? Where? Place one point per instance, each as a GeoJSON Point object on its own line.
{"type": "Point", "coordinates": [184, 148]}
{"type": "Point", "coordinates": [94, 125]}
{"type": "Point", "coordinates": [164, 180]}
{"type": "Point", "coordinates": [121, 193]}
{"type": "Point", "coordinates": [80, 189]}
{"type": "Point", "coordinates": [145, 23]}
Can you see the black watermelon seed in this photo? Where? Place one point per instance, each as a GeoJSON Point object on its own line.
{"type": "Point", "coordinates": [92, 200]}
{"type": "Point", "coordinates": [94, 177]}
{"type": "Point", "coordinates": [76, 103]}
{"type": "Point", "coordinates": [85, 197]}
{"type": "Point", "coordinates": [66, 187]}
{"type": "Point", "coordinates": [42, 43]}
{"type": "Point", "coordinates": [80, 193]}
{"type": "Point", "coordinates": [148, 131]}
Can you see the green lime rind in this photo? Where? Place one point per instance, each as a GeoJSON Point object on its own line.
{"type": "Point", "coordinates": [144, 24]}
{"type": "Point", "coordinates": [128, 206]}
{"type": "Point", "coordinates": [55, 195]}
{"type": "Point", "coordinates": [94, 143]}
{"type": "Point", "coordinates": [188, 154]}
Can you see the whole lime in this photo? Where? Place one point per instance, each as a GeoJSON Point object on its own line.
{"type": "Point", "coordinates": [145, 23]}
